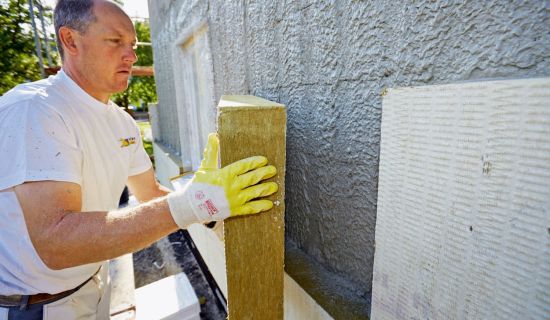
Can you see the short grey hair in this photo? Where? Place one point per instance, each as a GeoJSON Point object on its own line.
{"type": "Point", "coordinates": [74, 14]}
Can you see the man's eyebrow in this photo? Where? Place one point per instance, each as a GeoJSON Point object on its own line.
{"type": "Point", "coordinates": [111, 33]}
{"type": "Point", "coordinates": [114, 33]}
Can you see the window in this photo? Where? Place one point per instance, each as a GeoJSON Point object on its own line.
{"type": "Point", "coordinates": [194, 94]}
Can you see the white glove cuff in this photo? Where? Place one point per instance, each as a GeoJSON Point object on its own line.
{"type": "Point", "coordinates": [198, 202]}
{"type": "Point", "coordinates": [180, 208]}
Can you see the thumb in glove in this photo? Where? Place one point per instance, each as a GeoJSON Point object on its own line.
{"type": "Point", "coordinates": [215, 194]}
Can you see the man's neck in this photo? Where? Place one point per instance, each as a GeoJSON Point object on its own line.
{"type": "Point", "coordinates": [83, 82]}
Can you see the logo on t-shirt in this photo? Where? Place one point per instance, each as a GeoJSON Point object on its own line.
{"type": "Point", "coordinates": [126, 142]}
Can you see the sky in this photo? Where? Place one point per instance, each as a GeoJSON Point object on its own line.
{"type": "Point", "coordinates": [134, 8]}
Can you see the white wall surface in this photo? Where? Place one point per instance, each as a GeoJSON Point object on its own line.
{"type": "Point", "coordinates": [167, 166]}
{"type": "Point", "coordinates": [463, 221]}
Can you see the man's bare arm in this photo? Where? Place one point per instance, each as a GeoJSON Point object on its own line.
{"type": "Point", "coordinates": [65, 237]}
{"type": "Point", "coordinates": [145, 187]}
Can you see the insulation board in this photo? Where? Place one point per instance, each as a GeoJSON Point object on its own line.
{"type": "Point", "coordinates": [254, 244]}
{"type": "Point", "coordinates": [463, 220]}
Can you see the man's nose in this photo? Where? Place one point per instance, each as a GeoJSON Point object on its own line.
{"type": "Point", "coordinates": [130, 55]}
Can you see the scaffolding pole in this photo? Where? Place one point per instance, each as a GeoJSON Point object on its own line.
{"type": "Point", "coordinates": [46, 38]}
{"type": "Point", "coordinates": [37, 41]}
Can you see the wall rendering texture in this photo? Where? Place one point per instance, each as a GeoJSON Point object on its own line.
{"type": "Point", "coordinates": [463, 202]}
{"type": "Point", "coordinates": [329, 62]}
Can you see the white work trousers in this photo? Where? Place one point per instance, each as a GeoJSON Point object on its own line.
{"type": "Point", "coordinates": [90, 302]}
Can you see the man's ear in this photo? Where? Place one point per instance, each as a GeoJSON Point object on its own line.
{"type": "Point", "coordinates": [67, 37]}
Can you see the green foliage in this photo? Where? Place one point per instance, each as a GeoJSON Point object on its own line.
{"type": "Point", "coordinates": [18, 62]}
{"type": "Point", "coordinates": [147, 145]}
{"type": "Point", "coordinates": [140, 89]}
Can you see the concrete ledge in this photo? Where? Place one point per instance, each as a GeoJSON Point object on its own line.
{"type": "Point", "coordinates": [298, 304]}
{"type": "Point", "coordinates": [333, 293]}
{"type": "Point", "coordinates": [170, 298]}
{"type": "Point", "coordinates": [166, 163]}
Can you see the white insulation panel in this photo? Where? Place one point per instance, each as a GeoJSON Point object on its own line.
{"type": "Point", "coordinates": [463, 222]}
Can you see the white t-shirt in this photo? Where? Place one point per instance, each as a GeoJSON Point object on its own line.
{"type": "Point", "coordinates": [53, 130]}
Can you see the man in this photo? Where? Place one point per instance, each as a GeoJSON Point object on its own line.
{"type": "Point", "coordinates": [66, 153]}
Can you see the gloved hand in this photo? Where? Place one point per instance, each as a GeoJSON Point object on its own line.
{"type": "Point", "coordinates": [215, 194]}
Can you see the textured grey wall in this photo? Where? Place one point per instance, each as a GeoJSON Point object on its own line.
{"type": "Point", "coordinates": [164, 77]}
{"type": "Point", "coordinates": [329, 62]}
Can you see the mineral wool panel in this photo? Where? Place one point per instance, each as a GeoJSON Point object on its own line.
{"type": "Point", "coordinates": [463, 222]}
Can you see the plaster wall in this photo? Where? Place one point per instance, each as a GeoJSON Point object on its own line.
{"type": "Point", "coordinates": [463, 202]}
{"type": "Point", "coordinates": [329, 62]}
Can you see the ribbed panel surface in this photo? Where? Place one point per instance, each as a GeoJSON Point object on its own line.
{"type": "Point", "coordinates": [463, 221]}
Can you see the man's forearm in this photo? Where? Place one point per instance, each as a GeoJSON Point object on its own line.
{"type": "Point", "coordinates": [145, 186]}
{"type": "Point", "coordinates": [86, 237]}
{"type": "Point", "coordinates": [63, 236]}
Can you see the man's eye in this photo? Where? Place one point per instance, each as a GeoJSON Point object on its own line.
{"type": "Point", "coordinates": [117, 41]}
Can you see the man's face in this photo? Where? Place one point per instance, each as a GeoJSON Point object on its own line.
{"type": "Point", "coordinates": [107, 53]}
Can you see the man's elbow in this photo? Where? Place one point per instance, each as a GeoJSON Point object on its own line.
{"type": "Point", "coordinates": [52, 258]}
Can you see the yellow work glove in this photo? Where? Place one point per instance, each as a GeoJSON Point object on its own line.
{"type": "Point", "coordinates": [215, 194]}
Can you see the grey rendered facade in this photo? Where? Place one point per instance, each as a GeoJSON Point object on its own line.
{"type": "Point", "coordinates": [329, 63]}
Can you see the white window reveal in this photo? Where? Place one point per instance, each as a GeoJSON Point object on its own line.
{"type": "Point", "coordinates": [194, 93]}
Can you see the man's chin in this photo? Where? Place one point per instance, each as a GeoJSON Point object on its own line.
{"type": "Point", "coordinates": [120, 88]}
{"type": "Point", "coordinates": [122, 79]}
